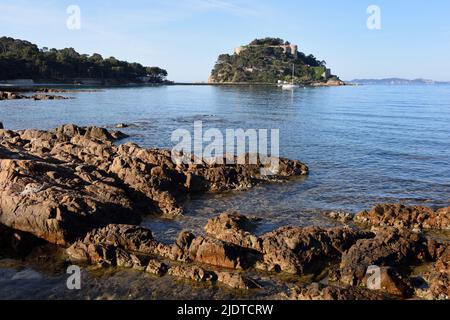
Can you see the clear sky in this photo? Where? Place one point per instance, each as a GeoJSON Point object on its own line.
{"type": "Point", "coordinates": [186, 36]}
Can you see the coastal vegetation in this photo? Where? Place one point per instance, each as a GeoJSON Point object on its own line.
{"type": "Point", "coordinates": [21, 59]}
{"type": "Point", "coordinates": [268, 60]}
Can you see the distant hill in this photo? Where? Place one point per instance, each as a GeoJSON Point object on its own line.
{"type": "Point", "coordinates": [21, 59]}
{"type": "Point", "coordinates": [267, 61]}
{"type": "Point", "coordinates": [396, 81]}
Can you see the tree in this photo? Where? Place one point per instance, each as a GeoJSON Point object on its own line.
{"type": "Point", "coordinates": [156, 74]}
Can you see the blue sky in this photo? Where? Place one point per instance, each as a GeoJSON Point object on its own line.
{"type": "Point", "coordinates": [186, 36]}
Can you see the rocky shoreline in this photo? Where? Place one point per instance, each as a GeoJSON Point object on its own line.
{"type": "Point", "coordinates": [60, 184]}
{"type": "Point", "coordinates": [37, 93]}
{"type": "Point", "coordinates": [12, 95]}
{"type": "Point", "coordinates": [75, 188]}
{"type": "Point", "coordinates": [336, 258]}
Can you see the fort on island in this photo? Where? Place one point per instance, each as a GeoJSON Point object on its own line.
{"type": "Point", "coordinates": [287, 48]}
{"type": "Point", "coordinates": [272, 61]}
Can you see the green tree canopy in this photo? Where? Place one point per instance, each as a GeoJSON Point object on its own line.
{"type": "Point", "coordinates": [21, 59]}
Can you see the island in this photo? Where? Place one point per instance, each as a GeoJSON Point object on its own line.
{"type": "Point", "coordinates": [271, 61]}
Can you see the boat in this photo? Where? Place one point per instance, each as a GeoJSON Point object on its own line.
{"type": "Point", "coordinates": [290, 86]}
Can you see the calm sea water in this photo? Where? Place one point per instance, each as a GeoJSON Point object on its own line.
{"type": "Point", "coordinates": [363, 145]}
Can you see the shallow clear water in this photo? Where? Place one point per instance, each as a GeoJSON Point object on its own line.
{"type": "Point", "coordinates": [363, 145]}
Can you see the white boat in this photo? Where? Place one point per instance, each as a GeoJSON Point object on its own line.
{"type": "Point", "coordinates": [290, 86]}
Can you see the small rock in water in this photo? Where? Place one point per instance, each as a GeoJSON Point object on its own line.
{"type": "Point", "coordinates": [121, 125]}
{"type": "Point", "coordinates": [157, 268]}
{"type": "Point", "coordinates": [340, 216]}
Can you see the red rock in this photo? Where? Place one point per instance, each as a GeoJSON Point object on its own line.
{"type": "Point", "coordinates": [220, 254]}
{"type": "Point", "coordinates": [53, 209]}
{"type": "Point", "coordinates": [304, 250]}
{"type": "Point", "coordinates": [439, 279]}
{"type": "Point", "coordinates": [317, 291]}
{"type": "Point", "coordinates": [390, 247]}
{"type": "Point", "coordinates": [192, 273]}
{"type": "Point", "coordinates": [233, 228]}
{"type": "Point", "coordinates": [236, 280]}
{"type": "Point", "coordinates": [62, 183]}
{"type": "Point", "coordinates": [400, 216]}
{"type": "Point", "coordinates": [156, 267]}
{"type": "Point", "coordinates": [391, 281]}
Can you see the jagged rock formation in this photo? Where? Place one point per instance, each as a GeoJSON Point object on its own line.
{"type": "Point", "coordinates": [74, 187]}
{"type": "Point", "coordinates": [401, 216]}
{"type": "Point", "coordinates": [345, 253]}
{"type": "Point", "coordinates": [8, 95]}
{"type": "Point", "coordinates": [60, 184]}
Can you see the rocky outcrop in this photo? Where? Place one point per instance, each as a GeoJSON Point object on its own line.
{"type": "Point", "coordinates": [208, 251]}
{"type": "Point", "coordinates": [156, 267]}
{"type": "Point", "coordinates": [393, 281]}
{"type": "Point", "coordinates": [127, 237]}
{"type": "Point", "coordinates": [41, 96]}
{"type": "Point", "coordinates": [401, 216]}
{"type": "Point", "coordinates": [230, 279]}
{"type": "Point", "coordinates": [74, 187]}
{"type": "Point", "coordinates": [60, 203]}
{"type": "Point", "coordinates": [316, 291]}
{"type": "Point", "coordinates": [340, 216]}
{"type": "Point", "coordinates": [332, 82]}
{"type": "Point", "coordinates": [438, 278]}
{"type": "Point", "coordinates": [193, 273]}
{"type": "Point", "coordinates": [234, 228]}
{"type": "Point", "coordinates": [344, 253]}
{"type": "Point", "coordinates": [292, 250]}
{"type": "Point", "coordinates": [236, 280]}
{"type": "Point", "coordinates": [128, 246]}
{"type": "Point", "coordinates": [62, 183]}
{"type": "Point", "coordinates": [221, 254]}
{"type": "Point", "coordinates": [390, 248]}
{"type": "Point", "coordinates": [8, 95]}
{"type": "Point", "coordinates": [306, 250]}
{"type": "Point", "coordinates": [288, 249]}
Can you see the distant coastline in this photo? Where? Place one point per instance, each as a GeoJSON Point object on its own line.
{"type": "Point", "coordinates": [397, 81]}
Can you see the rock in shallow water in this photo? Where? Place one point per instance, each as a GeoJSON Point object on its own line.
{"type": "Point", "coordinates": [401, 216]}
{"type": "Point", "coordinates": [102, 244]}
{"type": "Point", "coordinates": [390, 247]}
{"type": "Point", "coordinates": [309, 250]}
{"type": "Point", "coordinates": [190, 272]}
{"type": "Point", "coordinates": [438, 278]}
{"type": "Point", "coordinates": [60, 206]}
{"type": "Point", "coordinates": [316, 291]}
{"type": "Point", "coordinates": [7, 95]}
{"type": "Point", "coordinates": [234, 228]}
{"type": "Point", "coordinates": [306, 250]}
{"type": "Point", "coordinates": [156, 267]}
